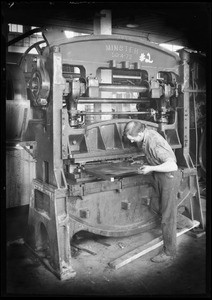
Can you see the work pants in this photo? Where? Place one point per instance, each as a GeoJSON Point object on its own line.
{"type": "Point", "coordinates": [164, 202]}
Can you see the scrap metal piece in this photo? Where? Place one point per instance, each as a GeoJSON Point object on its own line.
{"type": "Point", "coordinates": [83, 249]}
{"type": "Point", "coordinates": [121, 245]}
{"type": "Point", "coordinates": [101, 242]}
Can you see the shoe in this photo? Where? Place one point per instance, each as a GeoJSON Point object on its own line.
{"type": "Point", "coordinates": [183, 221]}
{"type": "Point", "coordinates": [162, 257]}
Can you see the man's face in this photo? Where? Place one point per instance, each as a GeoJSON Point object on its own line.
{"type": "Point", "coordinates": [137, 138]}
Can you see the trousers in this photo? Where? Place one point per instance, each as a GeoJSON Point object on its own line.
{"type": "Point", "coordinates": [165, 188]}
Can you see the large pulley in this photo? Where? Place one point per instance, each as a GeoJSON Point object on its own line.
{"type": "Point", "coordinates": [39, 85]}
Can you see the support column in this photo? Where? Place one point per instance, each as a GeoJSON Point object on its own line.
{"type": "Point", "coordinates": [102, 23]}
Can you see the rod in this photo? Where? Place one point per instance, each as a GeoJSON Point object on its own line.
{"type": "Point", "coordinates": [24, 35]}
{"type": "Point", "coordinates": [87, 100]}
{"type": "Point", "coordinates": [123, 88]}
{"type": "Point", "coordinates": [83, 249]}
{"type": "Point", "coordinates": [112, 113]}
{"type": "Point", "coordinates": [194, 91]}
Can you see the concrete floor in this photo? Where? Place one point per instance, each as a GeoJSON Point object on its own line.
{"type": "Point", "coordinates": [27, 276]}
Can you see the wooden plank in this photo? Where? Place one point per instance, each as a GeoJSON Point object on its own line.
{"type": "Point", "coordinates": [142, 250]}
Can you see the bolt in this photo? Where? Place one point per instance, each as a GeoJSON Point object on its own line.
{"type": "Point", "coordinates": [56, 49]}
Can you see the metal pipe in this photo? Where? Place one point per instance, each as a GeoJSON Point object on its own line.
{"type": "Point", "coordinates": [142, 89]}
{"type": "Point", "coordinates": [24, 35]}
{"type": "Point", "coordinates": [87, 100]}
{"type": "Point", "coordinates": [201, 146]}
{"type": "Point", "coordinates": [112, 113]}
{"type": "Point", "coordinates": [194, 91]}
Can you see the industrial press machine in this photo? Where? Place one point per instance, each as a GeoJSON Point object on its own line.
{"type": "Point", "coordinates": [74, 103]}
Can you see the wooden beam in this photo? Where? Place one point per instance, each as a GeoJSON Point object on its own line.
{"type": "Point", "coordinates": [141, 250]}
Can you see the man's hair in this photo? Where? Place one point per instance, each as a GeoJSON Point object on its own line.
{"type": "Point", "coordinates": [133, 128]}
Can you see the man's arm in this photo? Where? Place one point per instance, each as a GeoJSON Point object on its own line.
{"type": "Point", "coordinates": [168, 166]}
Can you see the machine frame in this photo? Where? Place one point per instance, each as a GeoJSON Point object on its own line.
{"type": "Point", "coordinates": [84, 176]}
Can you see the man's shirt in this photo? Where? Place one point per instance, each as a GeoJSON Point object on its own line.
{"type": "Point", "coordinates": [156, 148]}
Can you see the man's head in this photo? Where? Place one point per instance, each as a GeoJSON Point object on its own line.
{"type": "Point", "coordinates": [134, 131]}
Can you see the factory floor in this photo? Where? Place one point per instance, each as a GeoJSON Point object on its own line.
{"type": "Point", "coordinates": [26, 276]}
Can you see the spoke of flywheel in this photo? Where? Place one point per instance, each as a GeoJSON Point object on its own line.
{"type": "Point", "coordinates": [38, 49]}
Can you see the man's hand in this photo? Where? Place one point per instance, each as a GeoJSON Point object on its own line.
{"type": "Point", "coordinates": [145, 169]}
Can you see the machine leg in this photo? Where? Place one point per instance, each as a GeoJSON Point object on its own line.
{"type": "Point", "coordinates": [189, 198]}
{"type": "Point", "coordinates": [49, 234]}
{"type": "Point", "coordinates": [196, 205]}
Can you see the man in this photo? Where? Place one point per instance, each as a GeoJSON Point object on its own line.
{"type": "Point", "coordinates": [166, 181]}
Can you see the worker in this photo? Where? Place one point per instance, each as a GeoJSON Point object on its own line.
{"type": "Point", "coordinates": [166, 181]}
